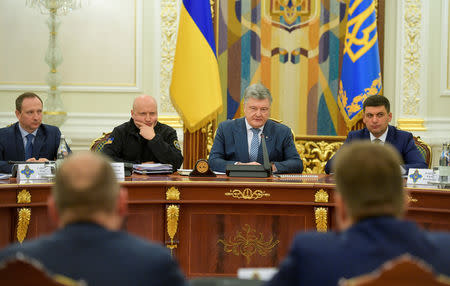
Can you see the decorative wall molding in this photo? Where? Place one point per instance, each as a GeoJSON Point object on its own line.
{"type": "Point", "coordinates": [169, 20]}
{"type": "Point", "coordinates": [412, 61]}
{"type": "Point", "coordinates": [445, 50]}
{"type": "Point", "coordinates": [82, 128]}
{"type": "Point", "coordinates": [413, 58]}
{"type": "Point", "coordinates": [99, 86]}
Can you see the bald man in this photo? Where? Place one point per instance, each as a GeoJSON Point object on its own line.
{"type": "Point", "coordinates": [89, 208]}
{"type": "Point", "coordinates": [143, 139]}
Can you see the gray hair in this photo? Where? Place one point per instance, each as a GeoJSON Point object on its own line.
{"type": "Point", "coordinates": [257, 91]}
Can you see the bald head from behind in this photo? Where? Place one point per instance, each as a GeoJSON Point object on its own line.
{"type": "Point", "coordinates": [145, 111]}
{"type": "Point", "coordinates": [86, 189]}
{"type": "Point", "coordinates": [368, 182]}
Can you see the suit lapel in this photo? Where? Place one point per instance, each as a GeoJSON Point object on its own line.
{"type": "Point", "coordinates": [366, 133]}
{"type": "Point", "coordinates": [390, 135]}
{"type": "Point", "coordinates": [20, 149]}
{"type": "Point", "coordinates": [240, 137]}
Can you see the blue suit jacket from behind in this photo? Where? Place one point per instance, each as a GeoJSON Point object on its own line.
{"type": "Point", "coordinates": [231, 146]}
{"type": "Point", "coordinates": [101, 257]}
{"type": "Point", "coordinates": [402, 141]}
{"type": "Point", "coordinates": [45, 145]}
{"type": "Point", "coordinates": [324, 258]}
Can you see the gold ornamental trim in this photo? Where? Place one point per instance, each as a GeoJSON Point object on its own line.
{"type": "Point", "coordinates": [173, 194]}
{"type": "Point", "coordinates": [321, 215]}
{"type": "Point", "coordinates": [54, 112]}
{"type": "Point", "coordinates": [411, 199]}
{"type": "Point", "coordinates": [410, 124]}
{"type": "Point", "coordinates": [247, 194]}
{"type": "Point", "coordinates": [22, 223]}
{"type": "Point", "coordinates": [173, 212]}
{"type": "Point", "coordinates": [321, 196]}
{"type": "Point", "coordinates": [24, 197]}
{"type": "Point", "coordinates": [173, 121]}
{"type": "Point", "coordinates": [248, 243]}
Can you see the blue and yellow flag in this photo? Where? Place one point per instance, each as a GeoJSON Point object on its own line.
{"type": "Point", "coordinates": [361, 75]}
{"type": "Point", "coordinates": [195, 89]}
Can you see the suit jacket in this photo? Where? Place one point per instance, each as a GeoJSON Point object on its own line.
{"type": "Point", "coordinates": [231, 146]}
{"type": "Point", "coordinates": [402, 141]}
{"type": "Point", "coordinates": [100, 257]}
{"type": "Point", "coordinates": [324, 258]}
{"type": "Point", "coordinates": [45, 144]}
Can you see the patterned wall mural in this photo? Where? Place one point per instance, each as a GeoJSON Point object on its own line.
{"type": "Point", "coordinates": [293, 47]}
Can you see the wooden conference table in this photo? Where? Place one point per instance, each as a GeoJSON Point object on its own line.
{"type": "Point", "coordinates": [215, 225]}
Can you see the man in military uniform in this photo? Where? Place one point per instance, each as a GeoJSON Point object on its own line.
{"type": "Point", "coordinates": [143, 139]}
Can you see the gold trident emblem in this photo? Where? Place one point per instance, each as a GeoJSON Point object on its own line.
{"type": "Point", "coordinates": [351, 38]}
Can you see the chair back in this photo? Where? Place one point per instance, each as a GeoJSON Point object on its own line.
{"type": "Point", "coordinates": [401, 271]}
{"type": "Point", "coordinates": [223, 281]}
{"type": "Point", "coordinates": [23, 271]}
{"type": "Point", "coordinates": [98, 144]}
{"type": "Point", "coordinates": [424, 149]}
{"type": "Point", "coordinates": [316, 150]}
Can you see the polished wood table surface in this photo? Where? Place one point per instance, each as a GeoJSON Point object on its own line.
{"type": "Point", "coordinates": [215, 225]}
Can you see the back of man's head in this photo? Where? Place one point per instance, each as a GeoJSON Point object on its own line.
{"type": "Point", "coordinates": [369, 179]}
{"type": "Point", "coordinates": [85, 185]}
{"type": "Point", "coordinates": [377, 100]}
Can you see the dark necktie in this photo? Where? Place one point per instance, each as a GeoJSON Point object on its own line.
{"type": "Point", "coordinates": [254, 145]}
{"type": "Point", "coordinates": [29, 146]}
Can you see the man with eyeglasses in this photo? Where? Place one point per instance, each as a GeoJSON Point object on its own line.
{"type": "Point", "coordinates": [238, 141]}
{"type": "Point", "coordinates": [376, 117]}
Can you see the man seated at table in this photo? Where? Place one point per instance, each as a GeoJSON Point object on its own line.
{"type": "Point", "coordinates": [28, 139]}
{"type": "Point", "coordinates": [376, 117]}
{"type": "Point", "coordinates": [238, 141]}
{"type": "Point", "coordinates": [143, 139]}
{"type": "Point", "coordinates": [89, 208]}
{"type": "Point", "coordinates": [370, 203]}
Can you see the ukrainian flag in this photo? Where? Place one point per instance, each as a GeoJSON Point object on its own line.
{"type": "Point", "coordinates": [195, 89]}
{"type": "Point", "coordinates": [361, 75]}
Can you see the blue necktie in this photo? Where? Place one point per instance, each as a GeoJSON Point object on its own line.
{"type": "Point", "coordinates": [254, 145]}
{"type": "Point", "coordinates": [29, 146]}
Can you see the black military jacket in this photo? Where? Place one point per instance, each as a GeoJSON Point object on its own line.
{"type": "Point", "coordinates": [127, 145]}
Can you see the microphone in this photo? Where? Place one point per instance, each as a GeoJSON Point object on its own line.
{"type": "Point", "coordinates": [266, 163]}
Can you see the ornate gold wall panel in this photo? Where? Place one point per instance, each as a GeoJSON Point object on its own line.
{"type": "Point", "coordinates": [169, 13]}
{"type": "Point", "coordinates": [411, 87]}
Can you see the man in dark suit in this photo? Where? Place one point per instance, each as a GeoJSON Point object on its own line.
{"type": "Point", "coordinates": [89, 207]}
{"type": "Point", "coordinates": [28, 139]}
{"type": "Point", "coordinates": [376, 117]}
{"type": "Point", "coordinates": [238, 141]}
{"type": "Point", "coordinates": [370, 202]}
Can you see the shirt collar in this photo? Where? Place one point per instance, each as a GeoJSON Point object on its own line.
{"type": "Point", "coordinates": [382, 137]}
{"type": "Point", "coordinates": [249, 127]}
{"type": "Point", "coordinates": [24, 133]}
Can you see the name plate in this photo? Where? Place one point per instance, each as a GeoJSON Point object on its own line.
{"type": "Point", "coordinates": [421, 176]}
{"type": "Point", "coordinates": [35, 171]}
{"type": "Point", "coordinates": [119, 170]}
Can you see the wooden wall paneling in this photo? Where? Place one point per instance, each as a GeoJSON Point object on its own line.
{"type": "Point", "coordinates": [434, 221]}
{"type": "Point", "coordinates": [216, 240]}
{"type": "Point", "coordinates": [6, 226]}
{"type": "Point", "coordinates": [146, 221]}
